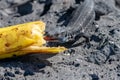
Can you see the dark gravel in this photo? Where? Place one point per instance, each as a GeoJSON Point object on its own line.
{"type": "Point", "coordinates": [9, 74]}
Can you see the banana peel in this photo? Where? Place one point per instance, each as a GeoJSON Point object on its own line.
{"type": "Point", "coordinates": [22, 39]}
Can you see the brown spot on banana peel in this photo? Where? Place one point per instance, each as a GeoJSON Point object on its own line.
{"type": "Point", "coordinates": [7, 44]}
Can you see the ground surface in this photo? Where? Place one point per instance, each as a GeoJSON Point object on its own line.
{"type": "Point", "coordinates": [99, 60]}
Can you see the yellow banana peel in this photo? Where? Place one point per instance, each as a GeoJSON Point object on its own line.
{"type": "Point", "coordinates": [25, 39]}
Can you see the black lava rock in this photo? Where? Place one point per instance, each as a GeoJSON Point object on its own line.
{"type": "Point", "coordinates": [9, 74]}
{"type": "Point", "coordinates": [94, 77]}
{"type": "Point", "coordinates": [28, 72]}
{"type": "Point", "coordinates": [17, 72]}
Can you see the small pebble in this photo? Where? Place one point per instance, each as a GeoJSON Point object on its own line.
{"type": "Point", "coordinates": [42, 71]}
{"type": "Point", "coordinates": [76, 64]}
{"type": "Point", "coordinates": [118, 74]}
{"type": "Point", "coordinates": [41, 65]}
{"type": "Point", "coordinates": [9, 74]}
{"type": "Point", "coordinates": [17, 72]}
{"type": "Point", "coordinates": [28, 72]}
{"type": "Point", "coordinates": [94, 77]}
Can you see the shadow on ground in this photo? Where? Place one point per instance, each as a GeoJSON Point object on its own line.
{"type": "Point", "coordinates": [29, 63]}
